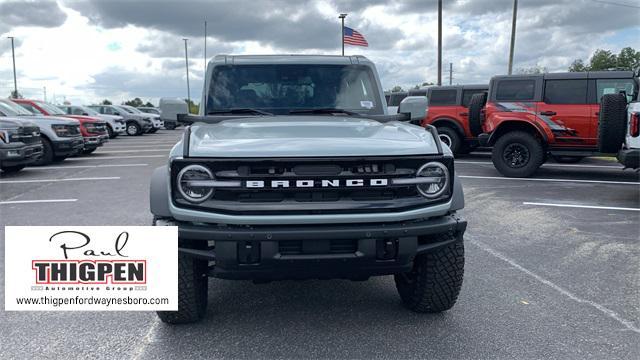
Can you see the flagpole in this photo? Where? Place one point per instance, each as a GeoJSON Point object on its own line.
{"type": "Point", "coordinates": [342, 16]}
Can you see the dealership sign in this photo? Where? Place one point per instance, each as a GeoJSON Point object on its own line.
{"type": "Point", "coordinates": [91, 268]}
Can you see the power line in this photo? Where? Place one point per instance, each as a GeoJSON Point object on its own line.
{"type": "Point", "coordinates": [615, 3]}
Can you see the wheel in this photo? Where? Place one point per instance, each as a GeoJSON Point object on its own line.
{"type": "Point", "coordinates": [47, 153]}
{"type": "Point", "coordinates": [517, 154]}
{"type": "Point", "coordinates": [612, 122]}
{"type": "Point", "coordinates": [476, 117]}
{"type": "Point", "coordinates": [434, 282]}
{"type": "Point", "coordinates": [88, 151]}
{"type": "Point", "coordinates": [12, 168]}
{"type": "Point", "coordinates": [193, 285]}
{"type": "Point", "coordinates": [450, 137]}
{"type": "Point", "coordinates": [112, 134]}
{"type": "Point", "coordinates": [133, 128]}
{"type": "Point", "coordinates": [568, 159]}
{"type": "Point", "coordinates": [169, 126]}
{"type": "Point", "coordinates": [57, 159]}
{"type": "Point", "coordinates": [153, 130]}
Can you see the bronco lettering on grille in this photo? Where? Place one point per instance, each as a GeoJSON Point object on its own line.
{"type": "Point", "coordinates": [256, 184]}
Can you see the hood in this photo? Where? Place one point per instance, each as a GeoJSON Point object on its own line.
{"type": "Point", "coordinates": [45, 119]}
{"type": "Point", "coordinates": [83, 119]}
{"type": "Point", "coordinates": [14, 122]}
{"type": "Point", "coordinates": [308, 136]}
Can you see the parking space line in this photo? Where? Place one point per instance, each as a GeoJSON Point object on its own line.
{"type": "Point", "coordinates": [115, 157]}
{"type": "Point", "coordinates": [59, 180]}
{"type": "Point", "coordinates": [549, 165]}
{"type": "Point", "coordinates": [36, 201]}
{"type": "Point", "coordinates": [133, 151]}
{"type": "Point", "coordinates": [608, 312]}
{"type": "Point", "coordinates": [83, 166]}
{"type": "Point", "coordinates": [551, 180]}
{"type": "Point", "coordinates": [582, 206]}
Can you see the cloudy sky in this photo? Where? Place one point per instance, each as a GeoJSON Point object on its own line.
{"type": "Point", "coordinates": [84, 51]}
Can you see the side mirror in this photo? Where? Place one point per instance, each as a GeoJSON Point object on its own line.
{"type": "Point", "coordinates": [415, 107]}
{"type": "Point", "coordinates": [85, 114]}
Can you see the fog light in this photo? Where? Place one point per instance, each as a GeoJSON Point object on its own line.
{"type": "Point", "coordinates": [13, 153]}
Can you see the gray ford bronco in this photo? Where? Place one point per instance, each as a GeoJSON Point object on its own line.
{"type": "Point", "coordinates": [294, 170]}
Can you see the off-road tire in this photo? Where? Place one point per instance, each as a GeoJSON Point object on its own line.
{"type": "Point", "coordinates": [12, 168]}
{"type": "Point", "coordinates": [193, 285]}
{"type": "Point", "coordinates": [434, 283]}
{"type": "Point", "coordinates": [170, 126]}
{"type": "Point", "coordinates": [452, 138]}
{"type": "Point", "coordinates": [47, 153]}
{"type": "Point", "coordinates": [612, 123]}
{"type": "Point", "coordinates": [57, 159]}
{"type": "Point", "coordinates": [476, 104]}
{"type": "Point", "coordinates": [131, 126]}
{"type": "Point", "coordinates": [509, 145]}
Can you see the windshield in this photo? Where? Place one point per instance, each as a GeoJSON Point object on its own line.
{"type": "Point", "coordinates": [9, 108]}
{"type": "Point", "coordinates": [89, 111]}
{"type": "Point", "coordinates": [281, 88]}
{"type": "Point", "coordinates": [131, 109]}
{"type": "Point", "coordinates": [50, 109]}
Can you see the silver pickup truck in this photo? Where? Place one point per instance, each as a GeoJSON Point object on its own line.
{"type": "Point", "coordinates": [294, 170]}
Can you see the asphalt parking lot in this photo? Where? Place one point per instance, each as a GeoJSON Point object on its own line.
{"type": "Point", "coordinates": [552, 271]}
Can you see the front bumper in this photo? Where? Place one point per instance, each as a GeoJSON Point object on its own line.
{"type": "Point", "coordinates": [630, 158]}
{"type": "Point", "coordinates": [20, 154]}
{"type": "Point", "coordinates": [92, 142]}
{"type": "Point", "coordinates": [355, 251]}
{"type": "Point", "coordinates": [67, 146]}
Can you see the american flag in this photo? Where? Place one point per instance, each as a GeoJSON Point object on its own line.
{"type": "Point", "coordinates": [352, 37]}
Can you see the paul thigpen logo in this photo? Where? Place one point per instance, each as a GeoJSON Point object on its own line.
{"type": "Point", "coordinates": [98, 266]}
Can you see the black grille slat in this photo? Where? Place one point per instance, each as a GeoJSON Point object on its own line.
{"type": "Point", "coordinates": [295, 247]}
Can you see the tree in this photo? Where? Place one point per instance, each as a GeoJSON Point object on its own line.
{"type": "Point", "coordinates": [148, 104]}
{"type": "Point", "coordinates": [137, 102]}
{"type": "Point", "coordinates": [602, 60]}
{"type": "Point", "coordinates": [426, 83]}
{"type": "Point", "coordinates": [627, 59]}
{"type": "Point", "coordinates": [577, 66]}
{"type": "Point", "coordinates": [396, 88]}
{"type": "Point", "coordinates": [193, 107]}
{"type": "Point", "coordinates": [106, 102]}
{"type": "Point", "coordinates": [532, 70]}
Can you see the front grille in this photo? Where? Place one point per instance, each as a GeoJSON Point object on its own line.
{"type": "Point", "coordinates": [316, 198]}
{"type": "Point", "coordinates": [98, 128]}
{"type": "Point", "coordinates": [73, 130]}
{"type": "Point", "coordinates": [27, 135]}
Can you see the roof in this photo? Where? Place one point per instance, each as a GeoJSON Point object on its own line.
{"type": "Point", "coordinates": [289, 59]}
{"type": "Point", "coordinates": [464, 87]}
{"type": "Point", "coordinates": [573, 75]}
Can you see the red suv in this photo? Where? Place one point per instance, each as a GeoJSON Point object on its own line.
{"type": "Point", "coordinates": [93, 130]}
{"type": "Point", "coordinates": [526, 118]}
{"type": "Point", "coordinates": [448, 113]}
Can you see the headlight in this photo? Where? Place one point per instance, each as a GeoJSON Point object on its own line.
{"type": "Point", "coordinates": [61, 130]}
{"type": "Point", "coordinates": [186, 188]}
{"type": "Point", "coordinates": [90, 127]}
{"type": "Point", "coordinates": [6, 135]}
{"type": "Point", "coordinates": [438, 175]}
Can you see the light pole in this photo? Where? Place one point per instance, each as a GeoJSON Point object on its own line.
{"type": "Point", "coordinates": [205, 49]}
{"type": "Point", "coordinates": [15, 81]}
{"type": "Point", "coordinates": [342, 16]}
{"type": "Point", "coordinates": [186, 62]}
{"type": "Point", "coordinates": [513, 35]}
{"type": "Point", "coordinates": [439, 42]}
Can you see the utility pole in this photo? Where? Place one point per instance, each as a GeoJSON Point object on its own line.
{"type": "Point", "coordinates": [513, 35]}
{"type": "Point", "coordinates": [186, 61]}
{"type": "Point", "coordinates": [15, 81]}
{"type": "Point", "coordinates": [450, 73]}
{"type": "Point", "coordinates": [439, 42]}
{"type": "Point", "coordinates": [342, 16]}
{"type": "Point", "coordinates": [205, 49]}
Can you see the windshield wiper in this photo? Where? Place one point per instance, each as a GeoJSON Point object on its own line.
{"type": "Point", "coordinates": [239, 111]}
{"type": "Point", "coordinates": [324, 111]}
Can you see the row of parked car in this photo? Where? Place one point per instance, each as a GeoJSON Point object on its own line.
{"type": "Point", "coordinates": [526, 119]}
{"type": "Point", "coordinates": [34, 132]}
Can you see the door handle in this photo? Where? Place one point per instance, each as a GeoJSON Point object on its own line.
{"type": "Point", "coordinates": [548, 113]}
{"type": "Point", "coordinates": [463, 114]}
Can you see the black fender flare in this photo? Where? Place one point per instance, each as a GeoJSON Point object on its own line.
{"type": "Point", "coordinates": [159, 192]}
{"type": "Point", "coordinates": [492, 137]}
{"type": "Point", "coordinates": [449, 121]}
